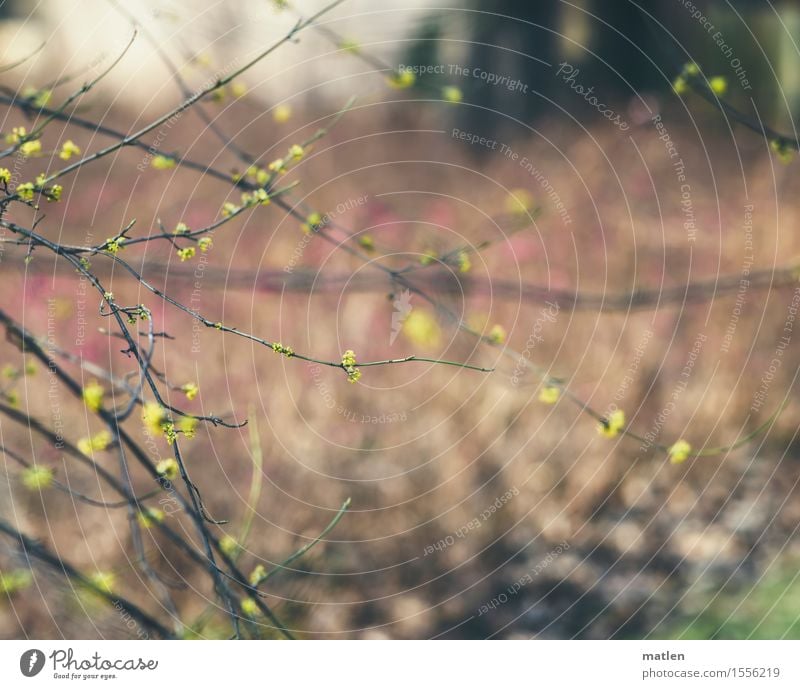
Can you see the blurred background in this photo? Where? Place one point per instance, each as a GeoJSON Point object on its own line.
{"type": "Point", "coordinates": [539, 171]}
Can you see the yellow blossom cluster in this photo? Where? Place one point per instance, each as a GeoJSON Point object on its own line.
{"type": "Point", "coordinates": [68, 149]}
{"type": "Point", "coordinates": [93, 395]}
{"type": "Point", "coordinates": [95, 443]}
{"type": "Point", "coordinates": [349, 366]}
{"type": "Point", "coordinates": [37, 477]}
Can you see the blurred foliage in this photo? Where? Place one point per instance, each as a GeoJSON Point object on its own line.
{"type": "Point", "coordinates": [770, 609]}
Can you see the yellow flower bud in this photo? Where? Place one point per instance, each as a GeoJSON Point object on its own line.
{"type": "Point", "coordinates": [150, 516]}
{"type": "Point", "coordinates": [168, 468]}
{"type": "Point", "coordinates": [719, 85]}
{"type": "Point", "coordinates": [37, 477]}
{"type": "Point", "coordinates": [497, 335]}
{"type": "Point", "coordinates": [161, 162]}
{"type": "Point", "coordinates": [93, 395]}
{"type": "Point", "coordinates": [281, 113]}
{"type": "Point", "coordinates": [153, 415]}
{"type": "Point", "coordinates": [258, 573]}
{"type": "Point", "coordinates": [679, 452]}
{"type": "Point", "coordinates": [549, 394]}
{"type": "Point", "coordinates": [402, 80]}
{"type": "Point", "coordinates": [249, 607]}
{"type": "Point", "coordinates": [30, 148]}
{"type": "Point", "coordinates": [452, 94]}
{"type": "Point", "coordinates": [228, 545]}
{"type": "Point", "coordinates": [68, 149]}
{"type": "Point", "coordinates": [611, 426]}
